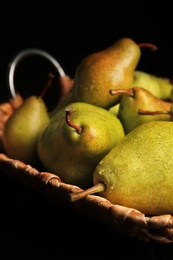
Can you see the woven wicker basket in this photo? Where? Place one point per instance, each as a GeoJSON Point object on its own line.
{"type": "Point", "coordinates": [127, 221]}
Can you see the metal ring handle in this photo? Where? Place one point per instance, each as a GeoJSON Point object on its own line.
{"type": "Point", "coordinates": [23, 54]}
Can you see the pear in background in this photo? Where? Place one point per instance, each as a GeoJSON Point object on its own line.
{"type": "Point", "coordinates": [76, 139]}
{"type": "Point", "coordinates": [135, 99]}
{"type": "Point", "coordinates": [112, 67]}
{"type": "Point", "coordinates": [159, 86]}
{"type": "Point", "coordinates": [138, 172]}
{"type": "Point", "coordinates": [114, 109]}
{"type": "Point", "coordinates": [22, 128]}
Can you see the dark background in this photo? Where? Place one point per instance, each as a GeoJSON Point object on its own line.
{"type": "Point", "coordinates": [69, 32]}
{"type": "Point", "coordinates": [31, 227]}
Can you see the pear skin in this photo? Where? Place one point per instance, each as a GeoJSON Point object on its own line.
{"type": "Point", "coordinates": [72, 150]}
{"type": "Point", "coordinates": [112, 67]}
{"type": "Point", "coordinates": [159, 86]}
{"type": "Point", "coordinates": [138, 172]}
{"type": "Point", "coordinates": [22, 128]}
{"type": "Point", "coordinates": [114, 109]}
{"type": "Point", "coordinates": [136, 99]}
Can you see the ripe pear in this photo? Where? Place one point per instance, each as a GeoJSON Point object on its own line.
{"type": "Point", "coordinates": [76, 139]}
{"type": "Point", "coordinates": [100, 71]}
{"type": "Point", "coordinates": [136, 99]}
{"type": "Point", "coordinates": [168, 114]}
{"type": "Point", "coordinates": [159, 86]}
{"type": "Point", "coordinates": [138, 172]}
{"type": "Point", "coordinates": [22, 128]}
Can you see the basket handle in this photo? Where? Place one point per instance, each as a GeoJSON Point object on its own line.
{"type": "Point", "coordinates": [23, 54]}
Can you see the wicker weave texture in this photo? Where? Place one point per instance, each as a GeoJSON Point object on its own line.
{"type": "Point", "coordinates": [124, 220]}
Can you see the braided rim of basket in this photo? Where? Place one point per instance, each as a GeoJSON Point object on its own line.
{"type": "Point", "coordinates": [122, 219]}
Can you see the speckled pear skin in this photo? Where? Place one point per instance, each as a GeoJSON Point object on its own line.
{"type": "Point", "coordinates": [104, 70]}
{"type": "Point", "coordinates": [73, 156]}
{"type": "Point", "coordinates": [138, 172]}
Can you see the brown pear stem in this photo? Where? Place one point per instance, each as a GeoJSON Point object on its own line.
{"type": "Point", "coordinates": [129, 92]}
{"type": "Point", "coordinates": [90, 191]}
{"type": "Point", "coordinates": [148, 45]}
{"type": "Point", "coordinates": [148, 112]}
{"type": "Point", "coordinates": [47, 85]}
{"type": "Point", "coordinates": [71, 124]}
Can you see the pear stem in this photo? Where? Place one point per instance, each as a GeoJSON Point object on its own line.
{"type": "Point", "coordinates": [148, 45]}
{"type": "Point", "coordinates": [48, 84]}
{"type": "Point", "coordinates": [148, 112]}
{"type": "Point", "coordinates": [68, 114]}
{"type": "Point", "coordinates": [90, 191]}
{"type": "Point", "coordinates": [130, 92]}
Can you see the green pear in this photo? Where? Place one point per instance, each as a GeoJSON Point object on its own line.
{"type": "Point", "coordinates": [76, 139]}
{"type": "Point", "coordinates": [136, 99]}
{"type": "Point", "coordinates": [114, 109]}
{"type": "Point", "coordinates": [159, 86]}
{"type": "Point", "coordinates": [22, 128]}
{"type": "Point", "coordinates": [138, 172]}
{"type": "Point", "coordinates": [100, 71]}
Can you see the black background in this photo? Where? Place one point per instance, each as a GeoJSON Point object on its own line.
{"type": "Point", "coordinates": [31, 227]}
{"type": "Point", "coordinates": [69, 32]}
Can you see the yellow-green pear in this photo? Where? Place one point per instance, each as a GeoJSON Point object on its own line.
{"type": "Point", "coordinates": [136, 99]}
{"type": "Point", "coordinates": [22, 128]}
{"type": "Point", "coordinates": [138, 172]}
{"type": "Point", "coordinates": [114, 109]}
{"type": "Point", "coordinates": [159, 86]}
{"type": "Point", "coordinates": [76, 139]}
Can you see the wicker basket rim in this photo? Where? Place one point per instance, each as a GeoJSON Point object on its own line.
{"type": "Point", "coordinates": [124, 220]}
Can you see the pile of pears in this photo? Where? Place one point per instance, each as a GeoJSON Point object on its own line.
{"type": "Point", "coordinates": [111, 134]}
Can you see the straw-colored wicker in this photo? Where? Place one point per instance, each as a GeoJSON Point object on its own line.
{"type": "Point", "coordinates": [127, 221]}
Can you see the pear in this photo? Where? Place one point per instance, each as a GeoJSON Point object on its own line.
{"type": "Point", "coordinates": [168, 114]}
{"type": "Point", "coordinates": [138, 172]}
{"type": "Point", "coordinates": [114, 109]}
{"type": "Point", "coordinates": [21, 130]}
{"type": "Point", "coordinates": [136, 99]}
{"type": "Point", "coordinates": [100, 71]}
{"type": "Point", "coordinates": [159, 86]}
{"type": "Point", "coordinates": [76, 139]}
